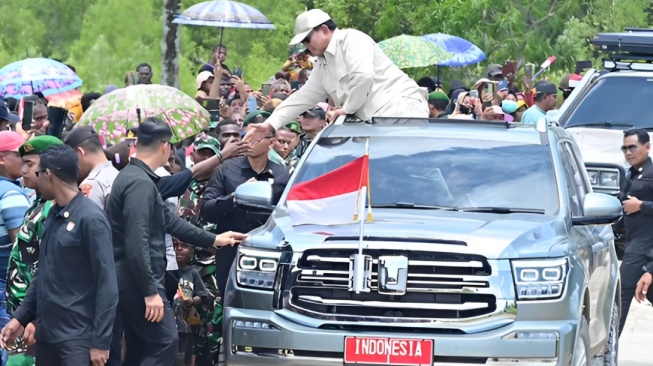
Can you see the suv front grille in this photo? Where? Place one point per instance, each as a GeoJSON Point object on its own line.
{"type": "Point", "coordinates": [440, 285]}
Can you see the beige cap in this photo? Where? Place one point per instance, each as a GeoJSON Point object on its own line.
{"type": "Point", "coordinates": [202, 77]}
{"type": "Point", "coordinates": [305, 22]}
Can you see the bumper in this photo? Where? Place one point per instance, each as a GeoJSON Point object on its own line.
{"type": "Point", "coordinates": [291, 344]}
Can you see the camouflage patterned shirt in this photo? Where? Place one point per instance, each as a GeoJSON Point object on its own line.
{"type": "Point", "coordinates": [189, 205]}
{"type": "Point", "coordinates": [24, 256]}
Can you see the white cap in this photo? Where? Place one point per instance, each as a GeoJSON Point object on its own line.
{"type": "Point", "coordinates": [202, 77]}
{"type": "Point", "coordinates": [305, 23]}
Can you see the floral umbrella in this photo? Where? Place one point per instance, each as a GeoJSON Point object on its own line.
{"type": "Point", "coordinates": [411, 51]}
{"type": "Point", "coordinates": [115, 113]}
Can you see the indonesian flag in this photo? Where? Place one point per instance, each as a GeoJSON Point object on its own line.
{"type": "Point", "coordinates": [333, 198]}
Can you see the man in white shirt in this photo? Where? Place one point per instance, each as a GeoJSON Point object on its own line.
{"type": "Point", "coordinates": [96, 172]}
{"type": "Point", "coordinates": [351, 70]}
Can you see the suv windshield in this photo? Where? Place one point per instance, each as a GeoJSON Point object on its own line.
{"type": "Point", "coordinates": [445, 173]}
{"type": "Point", "coordinates": [616, 103]}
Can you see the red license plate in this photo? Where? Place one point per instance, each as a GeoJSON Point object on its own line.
{"type": "Point", "coordinates": [388, 351]}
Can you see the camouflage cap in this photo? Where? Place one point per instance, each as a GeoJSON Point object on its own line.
{"type": "Point", "coordinates": [294, 126]}
{"type": "Point", "coordinates": [207, 142]}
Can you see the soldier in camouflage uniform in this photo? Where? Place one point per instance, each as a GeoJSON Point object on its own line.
{"type": "Point", "coordinates": [23, 260]}
{"type": "Point", "coordinates": [312, 122]}
{"type": "Point", "coordinates": [207, 341]}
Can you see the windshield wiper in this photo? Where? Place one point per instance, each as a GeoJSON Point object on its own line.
{"type": "Point", "coordinates": [501, 210]}
{"type": "Point", "coordinates": [604, 124]}
{"type": "Point", "coordinates": [413, 206]}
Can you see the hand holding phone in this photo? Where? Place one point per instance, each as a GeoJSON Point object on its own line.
{"type": "Point", "coordinates": [251, 103]}
{"type": "Point", "coordinates": [509, 68]}
{"type": "Point", "coordinates": [28, 116]}
{"type": "Point", "coordinates": [265, 89]}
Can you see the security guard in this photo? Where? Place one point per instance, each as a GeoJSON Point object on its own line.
{"type": "Point", "coordinates": [139, 222]}
{"type": "Point", "coordinates": [73, 298]}
{"type": "Point", "coordinates": [23, 260]}
{"type": "Point", "coordinates": [637, 198]}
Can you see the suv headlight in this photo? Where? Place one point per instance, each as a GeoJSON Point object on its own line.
{"type": "Point", "coordinates": [539, 279]}
{"type": "Point", "coordinates": [603, 177]}
{"type": "Point", "coordinates": [257, 268]}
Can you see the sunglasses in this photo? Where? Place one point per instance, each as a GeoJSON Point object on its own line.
{"type": "Point", "coordinates": [631, 148]}
{"type": "Point", "coordinates": [307, 39]}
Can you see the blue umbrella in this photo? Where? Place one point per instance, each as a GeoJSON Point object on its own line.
{"type": "Point", "coordinates": [37, 75]}
{"type": "Point", "coordinates": [463, 51]}
{"type": "Point", "coordinates": [224, 14]}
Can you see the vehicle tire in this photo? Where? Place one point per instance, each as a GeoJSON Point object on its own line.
{"type": "Point", "coordinates": [612, 348]}
{"type": "Point", "coordinates": [581, 353]}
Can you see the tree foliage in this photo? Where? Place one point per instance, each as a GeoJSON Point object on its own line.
{"type": "Point", "coordinates": [104, 39]}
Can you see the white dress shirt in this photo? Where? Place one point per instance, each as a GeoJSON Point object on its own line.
{"type": "Point", "coordinates": [357, 76]}
{"type": "Point", "coordinates": [171, 203]}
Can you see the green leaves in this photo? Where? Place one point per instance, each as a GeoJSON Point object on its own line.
{"type": "Point", "coordinates": [104, 39]}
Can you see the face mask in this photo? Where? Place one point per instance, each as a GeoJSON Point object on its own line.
{"type": "Point", "coordinates": [509, 106]}
{"type": "Point", "coordinates": [465, 109]}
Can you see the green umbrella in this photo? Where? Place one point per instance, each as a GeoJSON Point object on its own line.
{"type": "Point", "coordinates": [411, 51]}
{"type": "Point", "coordinates": [115, 113]}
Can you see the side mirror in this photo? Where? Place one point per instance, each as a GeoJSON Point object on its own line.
{"type": "Point", "coordinates": [254, 196]}
{"type": "Point", "coordinates": [599, 209]}
{"type": "Point", "coordinates": [552, 116]}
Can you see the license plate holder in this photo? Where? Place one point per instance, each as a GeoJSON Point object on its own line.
{"type": "Point", "coordinates": [388, 351]}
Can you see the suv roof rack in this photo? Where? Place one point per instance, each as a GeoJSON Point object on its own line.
{"type": "Point", "coordinates": [632, 29]}
{"type": "Point", "coordinates": [635, 44]}
{"type": "Point", "coordinates": [426, 121]}
{"type": "Point", "coordinates": [630, 50]}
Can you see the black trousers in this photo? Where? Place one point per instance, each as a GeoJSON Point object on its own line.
{"type": "Point", "coordinates": [148, 344]}
{"type": "Point", "coordinates": [224, 259]}
{"type": "Point", "coordinates": [631, 270]}
{"type": "Point", "coordinates": [67, 353]}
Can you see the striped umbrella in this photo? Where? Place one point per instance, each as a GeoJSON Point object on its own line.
{"type": "Point", "coordinates": [224, 14]}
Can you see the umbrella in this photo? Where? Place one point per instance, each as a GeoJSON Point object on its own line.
{"type": "Point", "coordinates": [34, 75]}
{"type": "Point", "coordinates": [410, 51]}
{"type": "Point", "coordinates": [115, 113]}
{"type": "Point", "coordinates": [463, 52]}
{"type": "Point", "coordinates": [224, 14]}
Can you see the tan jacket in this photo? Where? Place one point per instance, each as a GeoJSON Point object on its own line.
{"type": "Point", "coordinates": [357, 76]}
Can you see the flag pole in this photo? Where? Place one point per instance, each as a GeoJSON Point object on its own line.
{"type": "Point", "coordinates": [361, 265]}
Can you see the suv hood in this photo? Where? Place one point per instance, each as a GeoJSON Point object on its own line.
{"type": "Point", "coordinates": [599, 145]}
{"type": "Point", "coordinates": [496, 236]}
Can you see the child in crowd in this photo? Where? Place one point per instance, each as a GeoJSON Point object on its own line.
{"type": "Point", "coordinates": [191, 294]}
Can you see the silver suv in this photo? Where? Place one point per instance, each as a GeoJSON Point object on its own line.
{"type": "Point", "coordinates": [487, 245]}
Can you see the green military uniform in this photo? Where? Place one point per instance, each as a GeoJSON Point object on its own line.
{"type": "Point", "coordinates": [23, 260]}
{"type": "Point", "coordinates": [206, 343]}
{"type": "Point", "coordinates": [25, 252]}
{"type": "Point", "coordinates": [300, 149]}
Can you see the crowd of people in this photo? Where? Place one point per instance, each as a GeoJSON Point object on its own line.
{"type": "Point", "coordinates": [165, 245]}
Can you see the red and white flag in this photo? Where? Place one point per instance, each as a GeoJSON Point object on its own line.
{"type": "Point", "coordinates": [337, 197]}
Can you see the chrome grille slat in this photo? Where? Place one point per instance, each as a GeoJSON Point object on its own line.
{"type": "Point", "coordinates": [389, 305]}
{"type": "Point", "coordinates": [439, 285]}
{"type": "Point", "coordinates": [474, 264]}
